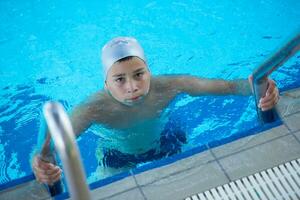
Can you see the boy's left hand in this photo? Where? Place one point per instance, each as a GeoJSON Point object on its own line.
{"type": "Point", "coordinates": [271, 97]}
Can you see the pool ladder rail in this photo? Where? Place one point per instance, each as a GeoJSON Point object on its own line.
{"type": "Point", "coordinates": [62, 135]}
{"type": "Point", "coordinates": [262, 72]}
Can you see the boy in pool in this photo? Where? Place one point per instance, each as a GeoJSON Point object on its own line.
{"type": "Point", "coordinates": [131, 103]}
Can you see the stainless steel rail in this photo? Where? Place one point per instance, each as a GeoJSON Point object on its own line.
{"type": "Point", "coordinates": [62, 134]}
{"type": "Point", "coordinates": [266, 68]}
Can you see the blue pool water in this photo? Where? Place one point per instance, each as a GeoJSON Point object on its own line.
{"type": "Point", "coordinates": [50, 51]}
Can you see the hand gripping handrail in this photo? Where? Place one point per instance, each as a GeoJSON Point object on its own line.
{"type": "Point", "coordinates": [62, 134]}
{"type": "Point", "coordinates": [266, 68]}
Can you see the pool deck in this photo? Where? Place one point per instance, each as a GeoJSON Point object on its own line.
{"type": "Point", "coordinates": [204, 170]}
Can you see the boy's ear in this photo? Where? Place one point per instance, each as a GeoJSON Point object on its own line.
{"type": "Point", "coordinates": [149, 70]}
{"type": "Point", "coordinates": [105, 85]}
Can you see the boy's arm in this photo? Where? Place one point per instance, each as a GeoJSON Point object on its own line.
{"type": "Point", "coordinates": [48, 173]}
{"type": "Point", "coordinates": [195, 86]}
{"type": "Point", "coordinates": [81, 119]}
{"type": "Point", "coordinates": [200, 86]}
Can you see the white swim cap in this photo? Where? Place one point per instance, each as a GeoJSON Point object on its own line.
{"type": "Point", "coordinates": [119, 48]}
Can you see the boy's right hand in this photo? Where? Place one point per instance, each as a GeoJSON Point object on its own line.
{"type": "Point", "coordinates": [45, 172]}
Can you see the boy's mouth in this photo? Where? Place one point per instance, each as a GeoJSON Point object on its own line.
{"type": "Point", "coordinates": [135, 98]}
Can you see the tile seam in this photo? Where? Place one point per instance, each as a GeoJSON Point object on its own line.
{"type": "Point", "coordinates": [175, 173]}
{"type": "Point", "coordinates": [291, 114]}
{"type": "Point", "coordinates": [293, 133]}
{"type": "Point", "coordinates": [117, 193]}
{"type": "Point", "coordinates": [251, 147]}
{"type": "Point", "coordinates": [138, 186]}
{"type": "Point", "coordinates": [220, 165]}
{"type": "Point", "coordinates": [288, 128]}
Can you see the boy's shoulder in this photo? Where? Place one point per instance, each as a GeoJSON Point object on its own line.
{"type": "Point", "coordinates": [96, 101]}
{"type": "Point", "coordinates": [100, 98]}
{"type": "Point", "coordinates": [165, 82]}
{"type": "Point", "coordinates": [96, 107]}
{"type": "Point", "coordinates": [162, 80]}
{"type": "Point", "coordinates": [164, 85]}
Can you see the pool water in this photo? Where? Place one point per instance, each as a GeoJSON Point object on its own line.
{"type": "Point", "coordinates": [50, 51]}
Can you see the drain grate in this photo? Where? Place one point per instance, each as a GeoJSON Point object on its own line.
{"type": "Point", "coordinates": [281, 182]}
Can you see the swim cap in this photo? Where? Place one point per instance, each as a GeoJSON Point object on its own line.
{"type": "Point", "coordinates": [119, 48]}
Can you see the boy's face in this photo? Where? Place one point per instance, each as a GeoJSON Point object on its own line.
{"type": "Point", "coordinates": [128, 81]}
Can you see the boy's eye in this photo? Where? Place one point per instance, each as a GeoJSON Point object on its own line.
{"type": "Point", "coordinates": [119, 79]}
{"type": "Point", "coordinates": [139, 74]}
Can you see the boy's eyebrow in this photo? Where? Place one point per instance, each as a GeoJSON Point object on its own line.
{"type": "Point", "coordinates": [118, 75]}
{"type": "Point", "coordinates": [138, 70]}
{"type": "Point", "coordinates": [135, 71]}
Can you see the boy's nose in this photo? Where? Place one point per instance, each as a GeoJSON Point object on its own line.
{"type": "Point", "coordinates": [131, 87]}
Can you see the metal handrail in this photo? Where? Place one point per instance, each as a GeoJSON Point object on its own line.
{"type": "Point", "coordinates": [262, 72]}
{"type": "Point", "coordinates": [61, 133]}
